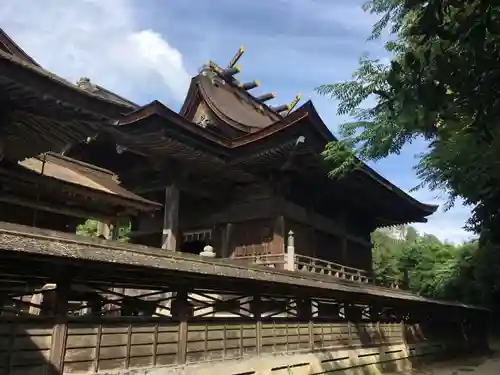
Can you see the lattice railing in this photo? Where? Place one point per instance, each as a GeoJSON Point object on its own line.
{"type": "Point", "coordinates": [305, 263]}
{"type": "Point", "coordinates": [390, 282]}
{"type": "Point", "coordinates": [268, 259]}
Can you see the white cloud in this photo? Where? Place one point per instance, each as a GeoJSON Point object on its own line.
{"type": "Point", "coordinates": [102, 39]}
{"type": "Point", "coordinates": [99, 39]}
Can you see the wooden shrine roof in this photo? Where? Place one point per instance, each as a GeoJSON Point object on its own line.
{"type": "Point", "coordinates": [155, 129]}
{"type": "Point", "coordinates": [43, 112]}
{"type": "Point", "coordinates": [154, 265]}
{"type": "Point", "coordinates": [47, 113]}
{"type": "Point", "coordinates": [56, 173]}
{"type": "Point", "coordinates": [227, 100]}
{"type": "Point", "coordinates": [45, 82]}
{"type": "Point", "coordinates": [235, 106]}
{"type": "Point", "coordinates": [85, 84]}
{"type": "Point", "coordinates": [9, 46]}
{"type": "Point", "coordinates": [87, 176]}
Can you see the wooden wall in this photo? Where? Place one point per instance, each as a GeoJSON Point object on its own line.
{"type": "Point", "coordinates": [359, 256]}
{"type": "Point", "coordinates": [251, 237]}
{"type": "Point", "coordinates": [25, 348]}
{"type": "Point", "coordinates": [100, 345]}
{"type": "Point", "coordinates": [329, 247]}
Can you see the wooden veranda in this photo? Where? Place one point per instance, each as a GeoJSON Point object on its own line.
{"type": "Point", "coordinates": [78, 305]}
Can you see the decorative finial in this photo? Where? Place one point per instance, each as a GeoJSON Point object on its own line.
{"type": "Point", "coordinates": [236, 57]}
{"type": "Point", "coordinates": [208, 252]}
{"type": "Point", "coordinates": [266, 97]}
{"type": "Point", "coordinates": [85, 84]}
{"type": "Point", "coordinates": [293, 103]}
{"type": "Point", "coordinates": [83, 81]}
{"type": "Point", "coordinates": [249, 85]}
{"type": "Point", "coordinates": [281, 108]}
{"type": "Point", "coordinates": [229, 72]}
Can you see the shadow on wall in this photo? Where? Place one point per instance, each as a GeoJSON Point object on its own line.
{"type": "Point", "coordinates": [372, 353]}
{"type": "Point", "coordinates": [26, 347]}
{"type": "Point", "coordinates": [375, 353]}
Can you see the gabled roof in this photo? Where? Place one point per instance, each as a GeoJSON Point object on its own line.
{"type": "Point", "coordinates": [87, 179]}
{"type": "Point", "coordinates": [47, 112]}
{"type": "Point", "coordinates": [229, 104]}
{"type": "Point", "coordinates": [171, 128]}
{"type": "Point", "coordinates": [22, 70]}
{"type": "Point", "coordinates": [228, 101]}
{"type": "Point", "coordinates": [85, 84]}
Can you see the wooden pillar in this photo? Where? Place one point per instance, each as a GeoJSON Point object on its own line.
{"type": "Point", "coordinates": [115, 232]}
{"type": "Point", "coordinates": [278, 244]}
{"type": "Point", "coordinates": [226, 241]}
{"type": "Point", "coordinates": [170, 218]}
{"type": "Point", "coordinates": [60, 331]}
{"type": "Point", "coordinates": [103, 230]}
{"type": "Point", "coordinates": [182, 311]}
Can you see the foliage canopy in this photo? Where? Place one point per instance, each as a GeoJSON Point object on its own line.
{"type": "Point", "coordinates": [440, 86]}
{"type": "Point", "coordinates": [466, 272]}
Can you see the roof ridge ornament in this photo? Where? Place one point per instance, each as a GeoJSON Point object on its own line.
{"type": "Point", "coordinates": [236, 57]}
{"type": "Point", "coordinates": [293, 103]}
{"type": "Point", "coordinates": [285, 109]}
{"type": "Point", "coordinates": [85, 84]}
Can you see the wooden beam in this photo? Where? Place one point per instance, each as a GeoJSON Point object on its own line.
{"type": "Point", "coordinates": [236, 213]}
{"type": "Point", "coordinates": [55, 208]}
{"type": "Point", "coordinates": [170, 218]}
{"type": "Point", "coordinates": [278, 244]}
{"type": "Point", "coordinates": [301, 215]}
{"type": "Point", "coordinates": [226, 241]}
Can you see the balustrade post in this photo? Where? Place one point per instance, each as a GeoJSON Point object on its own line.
{"type": "Point", "coordinates": [290, 252]}
{"type": "Point", "coordinates": [208, 252]}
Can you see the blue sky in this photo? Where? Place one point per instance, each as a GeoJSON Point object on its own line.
{"type": "Point", "coordinates": [148, 50]}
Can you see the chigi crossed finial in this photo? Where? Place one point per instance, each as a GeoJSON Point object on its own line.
{"type": "Point", "coordinates": [228, 75]}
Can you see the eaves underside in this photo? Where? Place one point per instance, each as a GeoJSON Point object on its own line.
{"type": "Point", "coordinates": [304, 117]}
{"type": "Point", "coordinates": [304, 120]}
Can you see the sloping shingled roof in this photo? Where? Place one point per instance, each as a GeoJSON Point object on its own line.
{"type": "Point", "coordinates": [35, 241]}
{"type": "Point", "coordinates": [234, 105]}
{"type": "Point", "coordinates": [9, 46]}
{"type": "Point", "coordinates": [85, 84]}
{"type": "Point", "coordinates": [75, 172]}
